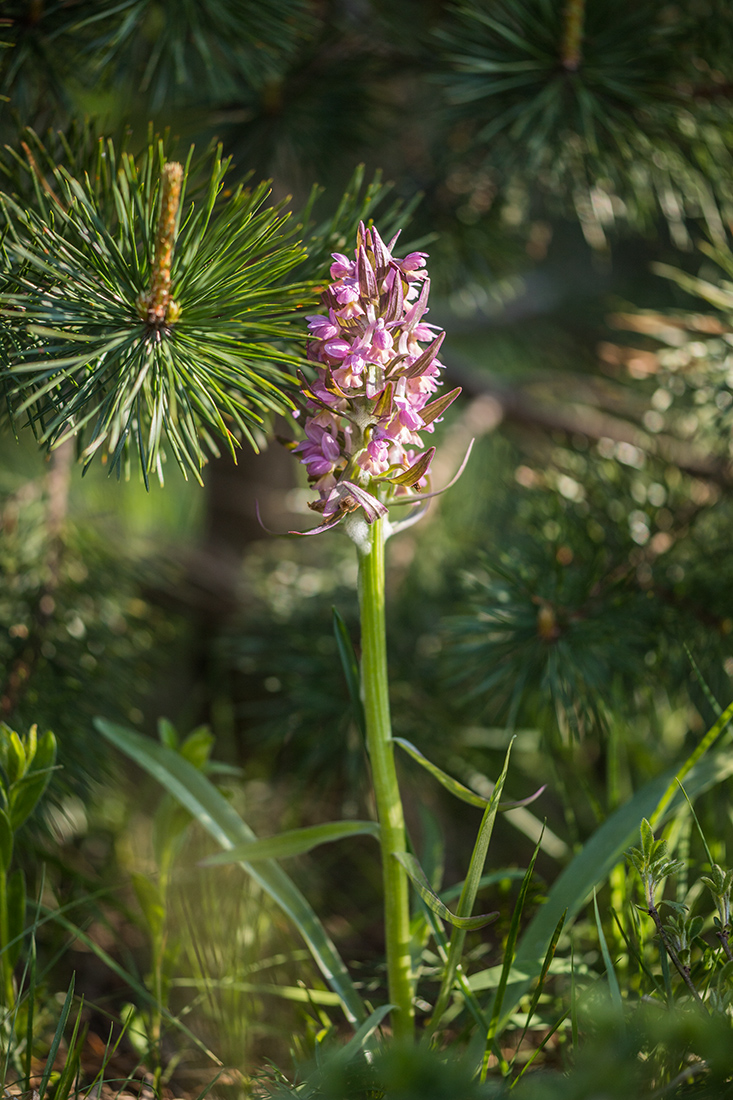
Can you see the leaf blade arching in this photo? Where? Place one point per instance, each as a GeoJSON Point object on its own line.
{"type": "Point", "coordinates": [212, 811]}
{"type": "Point", "coordinates": [293, 842]}
{"type": "Point", "coordinates": [419, 880]}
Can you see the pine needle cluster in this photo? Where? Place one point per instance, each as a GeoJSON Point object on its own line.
{"type": "Point", "coordinates": [141, 315]}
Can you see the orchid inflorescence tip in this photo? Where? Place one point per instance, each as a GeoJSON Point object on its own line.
{"type": "Point", "coordinates": [376, 372]}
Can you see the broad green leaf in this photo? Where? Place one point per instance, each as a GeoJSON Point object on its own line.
{"type": "Point", "coordinates": [431, 899]}
{"type": "Point", "coordinates": [212, 811]}
{"type": "Point", "coordinates": [44, 756]}
{"type": "Point", "coordinates": [453, 785]}
{"type": "Point", "coordinates": [197, 747]}
{"type": "Point", "coordinates": [26, 794]}
{"type": "Point", "coordinates": [593, 864]}
{"type": "Point", "coordinates": [6, 843]}
{"type": "Point", "coordinates": [167, 733]}
{"type": "Point", "coordinates": [13, 753]}
{"type": "Point", "coordinates": [294, 842]}
{"type": "Point", "coordinates": [350, 666]}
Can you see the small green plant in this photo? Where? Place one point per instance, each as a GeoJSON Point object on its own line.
{"type": "Point", "coordinates": [26, 765]}
{"type": "Point", "coordinates": [705, 971]}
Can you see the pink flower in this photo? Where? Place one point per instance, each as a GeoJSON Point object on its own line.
{"type": "Point", "coordinates": [376, 367]}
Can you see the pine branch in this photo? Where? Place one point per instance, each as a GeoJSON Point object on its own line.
{"type": "Point", "coordinates": [132, 335]}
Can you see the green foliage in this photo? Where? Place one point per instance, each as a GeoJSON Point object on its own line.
{"type": "Point", "coordinates": [183, 52]}
{"type": "Point", "coordinates": [160, 324]}
{"type": "Point", "coordinates": [212, 811]}
{"type": "Point", "coordinates": [77, 633]}
{"type": "Point", "coordinates": [394, 1073]}
{"type": "Point", "coordinates": [25, 770]}
{"type": "Point", "coordinates": [652, 861]}
{"type": "Point", "coordinates": [593, 100]}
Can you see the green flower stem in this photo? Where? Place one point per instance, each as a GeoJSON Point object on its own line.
{"type": "Point", "coordinates": [375, 693]}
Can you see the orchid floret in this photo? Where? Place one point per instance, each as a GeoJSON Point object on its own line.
{"type": "Point", "coordinates": [376, 367]}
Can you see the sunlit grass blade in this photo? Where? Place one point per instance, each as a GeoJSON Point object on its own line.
{"type": "Point", "coordinates": [509, 954]}
{"type": "Point", "coordinates": [350, 665]}
{"type": "Point", "coordinates": [453, 785]}
{"type": "Point", "coordinates": [695, 818]}
{"type": "Point", "coordinates": [540, 1047]}
{"type": "Point", "coordinates": [294, 842]}
{"type": "Point", "coordinates": [298, 994]}
{"type": "Point", "coordinates": [73, 1059]}
{"type": "Point", "coordinates": [56, 1041]}
{"type": "Point", "coordinates": [542, 979]}
{"type": "Point", "coordinates": [215, 814]}
{"type": "Point", "coordinates": [613, 985]}
{"type": "Point", "coordinates": [468, 894]}
{"type": "Point", "coordinates": [362, 1036]}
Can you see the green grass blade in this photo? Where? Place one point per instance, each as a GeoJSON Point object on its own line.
{"type": "Point", "coordinates": [212, 811]}
{"type": "Point", "coordinates": [695, 818]}
{"type": "Point", "coordinates": [294, 842]}
{"type": "Point", "coordinates": [543, 978]}
{"type": "Point", "coordinates": [707, 742]}
{"type": "Point", "coordinates": [538, 1050]}
{"type": "Point", "coordinates": [350, 665]}
{"type": "Point", "coordinates": [447, 781]}
{"type": "Point", "coordinates": [607, 962]}
{"type": "Point", "coordinates": [56, 1041]}
{"type": "Point", "coordinates": [359, 1040]}
{"type": "Point", "coordinates": [714, 704]}
{"type": "Point", "coordinates": [73, 1058]}
{"type": "Point", "coordinates": [469, 892]}
{"type": "Point", "coordinates": [509, 954]}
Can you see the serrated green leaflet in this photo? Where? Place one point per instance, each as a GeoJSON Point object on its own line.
{"type": "Point", "coordinates": [294, 842]}
{"type": "Point", "coordinates": [212, 811]}
{"type": "Point", "coordinates": [431, 899]}
{"type": "Point", "coordinates": [453, 785]}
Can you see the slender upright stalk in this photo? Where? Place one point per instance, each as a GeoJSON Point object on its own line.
{"type": "Point", "coordinates": [375, 692]}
